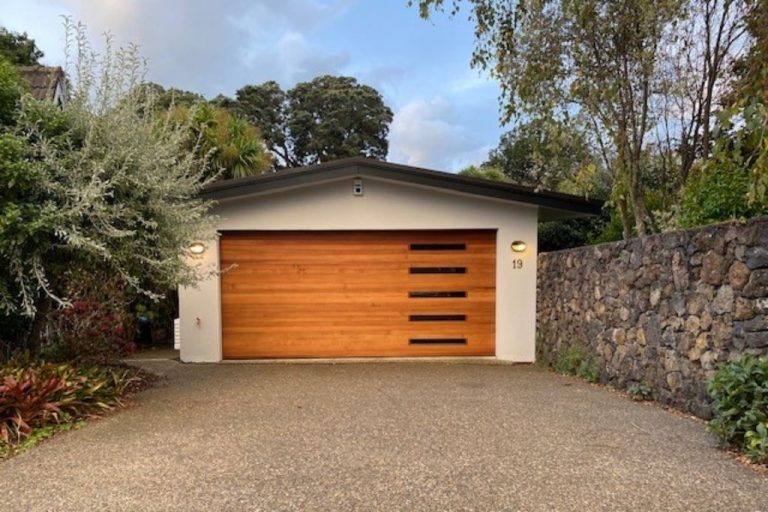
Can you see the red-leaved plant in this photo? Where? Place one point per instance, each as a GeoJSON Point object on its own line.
{"type": "Point", "coordinates": [39, 394]}
{"type": "Point", "coordinates": [26, 402]}
{"type": "Point", "coordinates": [90, 332]}
{"type": "Point", "coordinates": [98, 327]}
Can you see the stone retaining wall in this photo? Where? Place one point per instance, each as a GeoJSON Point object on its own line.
{"type": "Point", "coordinates": [663, 310]}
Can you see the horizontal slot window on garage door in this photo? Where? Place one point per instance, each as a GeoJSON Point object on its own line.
{"type": "Point", "coordinates": [436, 295]}
{"type": "Point", "coordinates": [437, 318]}
{"type": "Point", "coordinates": [438, 270]}
{"type": "Point", "coordinates": [439, 247]}
{"type": "Point", "coordinates": [438, 341]}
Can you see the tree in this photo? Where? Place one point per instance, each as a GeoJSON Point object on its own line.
{"type": "Point", "coordinates": [733, 182]}
{"type": "Point", "coordinates": [265, 106]}
{"type": "Point", "coordinates": [327, 118]}
{"type": "Point", "coordinates": [99, 184]}
{"type": "Point", "coordinates": [700, 49]}
{"type": "Point", "coordinates": [485, 172]}
{"type": "Point", "coordinates": [19, 49]}
{"type": "Point", "coordinates": [597, 57]}
{"type": "Point", "coordinates": [235, 147]}
{"type": "Point", "coordinates": [646, 76]}
{"type": "Point", "coordinates": [542, 154]}
{"type": "Point", "coordinates": [12, 87]}
{"type": "Point", "coordinates": [751, 69]}
{"type": "Point", "coordinates": [165, 98]}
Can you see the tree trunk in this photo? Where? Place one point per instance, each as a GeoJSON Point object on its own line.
{"type": "Point", "coordinates": [626, 222]}
{"type": "Point", "coordinates": [642, 218]}
{"type": "Point", "coordinates": [42, 308]}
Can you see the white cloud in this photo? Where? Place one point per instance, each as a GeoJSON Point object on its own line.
{"type": "Point", "coordinates": [292, 59]}
{"type": "Point", "coordinates": [425, 133]}
{"type": "Point", "coordinates": [471, 81]}
{"type": "Point", "coordinates": [201, 45]}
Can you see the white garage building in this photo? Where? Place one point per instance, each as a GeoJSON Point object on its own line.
{"type": "Point", "coordinates": [361, 258]}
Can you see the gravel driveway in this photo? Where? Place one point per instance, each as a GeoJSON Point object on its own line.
{"type": "Point", "coordinates": [381, 436]}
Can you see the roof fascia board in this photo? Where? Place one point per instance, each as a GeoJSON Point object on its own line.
{"type": "Point", "coordinates": [331, 171]}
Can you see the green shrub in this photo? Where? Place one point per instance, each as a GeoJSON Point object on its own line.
{"type": "Point", "coordinates": [732, 182]}
{"type": "Point", "coordinates": [739, 392]}
{"type": "Point", "coordinates": [12, 87]}
{"type": "Point", "coordinates": [640, 392]}
{"type": "Point", "coordinates": [715, 194]}
{"type": "Point", "coordinates": [588, 371]}
{"type": "Point", "coordinates": [39, 395]}
{"type": "Point", "coordinates": [573, 362]}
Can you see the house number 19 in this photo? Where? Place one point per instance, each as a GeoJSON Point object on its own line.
{"type": "Point", "coordinates": [517, 264]}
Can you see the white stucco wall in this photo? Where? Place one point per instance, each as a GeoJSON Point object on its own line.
{"type": "Point", "coordinates": [385, 205]}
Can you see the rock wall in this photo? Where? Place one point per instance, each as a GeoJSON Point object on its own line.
{"type": "Point", "coordinates": [664, 310]}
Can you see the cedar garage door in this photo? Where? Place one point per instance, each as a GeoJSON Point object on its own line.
{"type": "Point", "coordinates": [358, 293]}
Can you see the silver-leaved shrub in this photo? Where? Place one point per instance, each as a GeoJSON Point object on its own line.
{"type": "Point", "coordinates": [102, 182]}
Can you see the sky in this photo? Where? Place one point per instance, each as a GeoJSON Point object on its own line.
{"type": "Point", "coordinates": [446, 114]}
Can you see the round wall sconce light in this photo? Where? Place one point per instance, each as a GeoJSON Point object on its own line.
{"type": "Point", "coordinates": [518, 246]}
{"type": "Point", "coordinates": [197, 248]}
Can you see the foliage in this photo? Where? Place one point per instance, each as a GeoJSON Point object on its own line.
{"type": "Point", "coordinates": [751, 69]}
{"type": "Point", "coordinates": [97, 184]}
{"type": "Point", "coordinates": [98, 327]}
{"type": "Point", "coordinates": [12, 87]}
{"type": "Point", "coordinates": [572, 361]}
{"type": "Point", "coordinates": [35, 437]}
{"type": "Point", "coordinates": [568, 233]}
{"type": "Point", "coordinates": [640, 392]}
{"type": "Point", "coordinates": [542, 153]}
{"type": "Point", "coordinates": [610, 230]}
{"type": "Point", "coordinates": [739, 392]}
{"type": "Point", "coordinates": [484, 172]}
{"type": "Point", "coordinates": [732, 183]}
{"type": "Point", "coordinates": [235, 147]}
{"type": "Point", "coordinates": [166, 98]}
{"type": "Point", "coordinates": [19, 49]}
{"type": "Point", "coordinates": [327, 118]}
{"type": "Point", "coordinates": [28, 218]}
{"type": "Point", "coordinates": [37, 395]}
{"type": "Point", "coordinates": [642, 77]}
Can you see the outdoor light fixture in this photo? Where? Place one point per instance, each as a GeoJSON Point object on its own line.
{"type": "Point", "coordinates": [518, 246]}
{"type": "Point", "coordinates": [197, 248]}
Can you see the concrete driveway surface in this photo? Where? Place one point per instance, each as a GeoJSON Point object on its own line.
{"type": "Point", "coordinates": [381, 436]}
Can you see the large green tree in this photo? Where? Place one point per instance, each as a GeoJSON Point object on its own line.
{"type": "Point", "coordinates": [326, 118]}
{"type": "Point", "coordinates": [543, 154]}
{"type": "Point", "coordinates": [645, 75]}
{"type": "Point", "coordinates": [234, 146]}
{"type": "Point", "coordinates": [18, 48]}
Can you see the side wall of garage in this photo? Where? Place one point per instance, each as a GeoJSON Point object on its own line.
{"type": "Point", "coordinates": [384, 205]}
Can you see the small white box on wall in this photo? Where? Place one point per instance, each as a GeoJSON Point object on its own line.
{"type": "Point", "coordinates": [176, 334]}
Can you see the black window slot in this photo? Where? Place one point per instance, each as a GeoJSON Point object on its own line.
{"type": "Point", "coordinates": [436, 295]}
{"type": "Point", "coordinates": [438, 270]}
{"type": "Point", "coordinates": [439, 247]}
{"type": "Point", "coordinates": [437, 318]}
{"type": "Point", "coordinates": [438, 341]}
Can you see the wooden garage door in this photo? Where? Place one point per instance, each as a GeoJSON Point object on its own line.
{"type": "Point", "coordinates": [357, 294]}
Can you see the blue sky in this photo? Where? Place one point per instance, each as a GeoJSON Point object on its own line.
{"type": "Point", "coordinates": [446, 115]}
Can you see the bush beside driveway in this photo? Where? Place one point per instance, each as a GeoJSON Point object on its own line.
{"type": "Point", "coordinates": [388, 436]}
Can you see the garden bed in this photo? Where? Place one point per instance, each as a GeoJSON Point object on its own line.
{"type": "Point", "coordinates": [38, 400]}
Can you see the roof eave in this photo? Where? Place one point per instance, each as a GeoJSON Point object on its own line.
{"type": "Point", "coordinates": [550, 202]}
